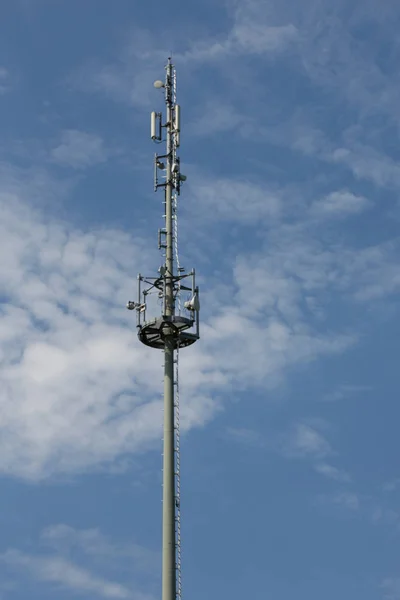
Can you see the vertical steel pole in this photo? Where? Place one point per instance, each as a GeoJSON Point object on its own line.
{"type": "Point", "coordinates": [168, 527]}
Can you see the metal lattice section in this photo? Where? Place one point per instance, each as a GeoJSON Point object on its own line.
{"type": "Point", "coordinates": [177, 404]}
{"type": "Point", "coordinates": [178, 266]}
{"type": "Point", "coordinates": [175, 207]}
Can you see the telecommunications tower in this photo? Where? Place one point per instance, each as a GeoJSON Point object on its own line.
{"type": "Point", "coordinates": [176, 327]}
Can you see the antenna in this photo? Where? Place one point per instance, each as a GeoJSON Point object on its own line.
{"type": "Point", "coordinates": [169, 331]}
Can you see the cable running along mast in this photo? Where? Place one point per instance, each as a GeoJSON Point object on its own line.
{"type": "Point", "coordinates": [169, 331]}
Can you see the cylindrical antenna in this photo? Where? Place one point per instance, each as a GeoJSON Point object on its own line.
{"type": "Point", "coordinates": [177, 125]}
{"type": "Point", "coordinates": [153, 125]}
{"type": "Point", "coordinates": [177, 118]}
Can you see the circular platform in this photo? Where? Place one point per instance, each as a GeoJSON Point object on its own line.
{"type": "Point", "coordinates": [152, 333]}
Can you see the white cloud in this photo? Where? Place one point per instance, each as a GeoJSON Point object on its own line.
{"type": "Point", "coordinates": [348, 500]}
{"type": "Point", "coordinates": [332, 472]}
{"type": "Point", "coordinates": [259, 38]}
{"type": "Point", "coordinates": [377, 270]}
{"type": "Point", "coordinates": [345, 391]}
{"type": "Point", "coordinates": [77, 388]}
{"type": "Point", "coordinates": [217, 117]}
{"type": "Point", "coordinates": [79, 150]}
{"type": "Point", "coordinates": [391, 588]}
{"type": "Point", "coordinates": [305, 441]}
{"type": "Point", "coordinates": [255, 32]}
{"type": "Point", "coordinates": [4, 80]}
{"type": "Point", "coordinates": [365, 161]}
{"type": "Point", "coordinates": [216, 199]}
{"type": "Point", "coordinates": [69, 381]}
{"type": "Point", "coordinates": [244, 435]}
{"type": "Point", "coordinates": [368, 163]}
{"type": "Point", "coordinates": [361, 506]}
{"type": "Point", "coordinates": [386, 516]}
{"type": "Point", "coordinates": [392, 485]}
{"type": "Point", "coordinates": [297, 266]}
{"type": "Point", "coordinates": [129, 79]}
{"type": "Point", "coordinates": [340, 204]}
{"type": "Point", "coordinates": [245, 37]}
{"type": "Point", "coordinates": [336, 57]}
{"type": "Point", "coordinates": [62, 572]}
{"type": "Point", "coordinates": [331, 54]}
{"type": "Point", "coordinates": [84, 561]}
{"type": "Point", "coordinates": [101, 550]}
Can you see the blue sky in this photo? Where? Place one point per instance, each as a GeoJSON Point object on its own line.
{"type": "Point", "coordinates": [290, 141]}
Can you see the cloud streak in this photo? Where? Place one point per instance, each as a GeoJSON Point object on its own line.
{"type": "Point", "coordinates": [79, 150]}
{"type": "Point", "coordinates": [4, 80]}
{"type": "Point", "coordinates": [61, 572]}
{"type": "Point", "coordinates": [84, 561]}
{"type": "Point", "coordinates": [64, 539]}
{"type": "Point", "coordinates": [305, 441]}
{"type": "Point", "coordinates": [340, 204]}
{"type": "Point", "coordinates": [332, 472]}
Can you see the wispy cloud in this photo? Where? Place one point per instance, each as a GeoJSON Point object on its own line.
{"type": "Point", "coordinates": [258, 38]}
{"type": "Point", "coordinates": [78, 390]}
{"type": "Point", "coordinates": [247, 36]}
{"type": "Point", "coordinates": [84, 561]}
{"type": "Point", "coordinates": [59, 571]}
{"type": "Point", "coordinates": [236, 200]}
{"type": "Point", "coordinates": [65, 539]}
{"type": "Point", "coordinates": [301, 264]}
{"type": "Point", "coordinates": [392, 485]}
{"type": "Point", "coordinates": [391, 588]}
{"type": "Point", "coordinates": [79, 150]}
{"type": "Point", "coordinates": [386, 516]}
{"type": "Point", "coordinates": [4, 80]}
{"type": "Point", "coordinates": [217, 117]}
{"type": "Point", "coordinates": [332, 472]}
{"type": "Point", "coordinates": [59, 285]}
{"type": "Point", "coordinates": [345, 391]}
{"type": "Point", "coordinates": [348, 500]}
{"type": "Point", "coordinates": [243, 435]}
{"type": "Point", "coordinates": [305, 441]}
{"type": "Point", "coordinates": [367, 163]}
{"type": "Point", "coordinates": [128, 79]}
{"type": "Point", "coordinates": [369, 508]}
{"type": "Point", "coordinates": [254, 31]}
{"type": "Point", "coordinates": [340, 204]}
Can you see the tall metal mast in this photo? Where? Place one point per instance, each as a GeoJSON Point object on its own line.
{"type": "Point", "coordinates": [170, 331]}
